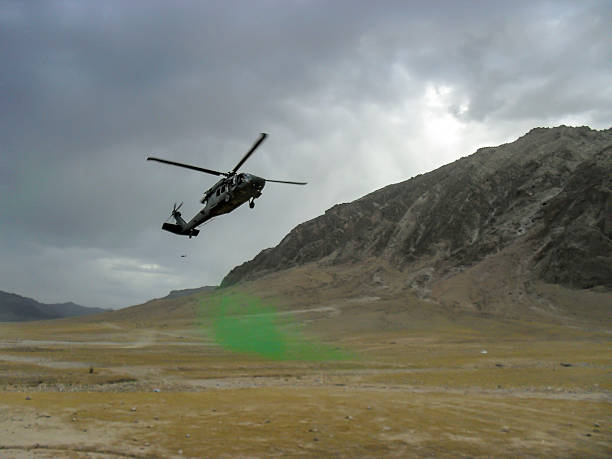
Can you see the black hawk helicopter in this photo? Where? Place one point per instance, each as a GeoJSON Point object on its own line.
{"type": "Point", "coordinates": [227, 194]}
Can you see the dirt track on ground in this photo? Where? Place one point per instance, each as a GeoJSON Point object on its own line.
{"type": "Point", "coordinates": [108, 390]}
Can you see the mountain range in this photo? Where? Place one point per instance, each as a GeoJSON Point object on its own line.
{"type": "Point", "coordinates": [492, 225]}
{"type": "Point", "coordinates": [16, 308]}
{"type": "Point", "coordinates": [518, 230]}
{"type": "Point", "coordinates": [552, 188]}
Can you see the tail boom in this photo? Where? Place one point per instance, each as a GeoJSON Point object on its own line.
{"type": "Point", "coordinates": [178, 229]}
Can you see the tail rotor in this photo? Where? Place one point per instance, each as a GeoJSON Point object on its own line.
{"type": "Point", "coordinates": [175, 211]}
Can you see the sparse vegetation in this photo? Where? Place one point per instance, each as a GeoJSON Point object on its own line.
{"type": "Point", "coordinates": [420, 388]}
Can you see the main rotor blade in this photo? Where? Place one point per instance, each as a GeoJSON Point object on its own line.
{"type": "Point", "coordinates": [284, 181]}
{"type": "Point", "coordinates": [250, 152]}
{"type": "Point", "coordinates": [187, 166]}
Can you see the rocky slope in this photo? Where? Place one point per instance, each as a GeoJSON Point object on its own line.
{"type": "Point", "coordinates": [16, 308]}
{"type": "Point", "coordinates": [190, 291]}
{"type": "Point", "coordinates": [549, 192]}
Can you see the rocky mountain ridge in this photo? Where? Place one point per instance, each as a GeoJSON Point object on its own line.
{"type": "Point", "coordinates": [550, 190]}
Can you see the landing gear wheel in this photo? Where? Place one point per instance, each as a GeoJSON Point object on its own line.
{"type": "Point", "coordinates": [251, 204]}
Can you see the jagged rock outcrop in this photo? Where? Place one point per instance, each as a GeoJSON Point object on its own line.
{"type": "Point", "coordinates": [578, 228]}
{"type": "Point", "coordinates": [551, 187]}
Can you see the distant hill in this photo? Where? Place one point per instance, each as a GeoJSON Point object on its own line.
{"type": "Point", "coordinates": [16, 308]}
{"type": "Point", "coordinates": [189, 291]}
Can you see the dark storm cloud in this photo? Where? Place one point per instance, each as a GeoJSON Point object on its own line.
{"type": "Point", "coordinates": [354, 95]}
{"type": "Point", "coordinates": [117, 72]}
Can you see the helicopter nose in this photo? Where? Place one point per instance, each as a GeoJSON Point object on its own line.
{"type": "Point", "coordinates": [258, 182]}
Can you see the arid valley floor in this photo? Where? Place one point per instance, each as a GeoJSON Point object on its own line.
{"type": "Point", "coordinates": [395, 382]}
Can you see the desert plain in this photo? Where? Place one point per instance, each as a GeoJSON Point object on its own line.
{"type": "Point", "coordinates": [347, 376]}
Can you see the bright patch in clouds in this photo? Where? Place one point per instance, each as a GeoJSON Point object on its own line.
{"type": "Point", "coordinates": [442, 127]}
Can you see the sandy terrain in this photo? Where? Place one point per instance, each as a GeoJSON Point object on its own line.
{"type": "Point", "coordinates": [468, 386]}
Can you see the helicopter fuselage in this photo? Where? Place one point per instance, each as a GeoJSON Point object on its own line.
{"type": "Point", "coordinates": [226, 195]}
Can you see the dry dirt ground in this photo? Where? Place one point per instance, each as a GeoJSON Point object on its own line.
{"type": "Point", "coordinates": [437, 385]}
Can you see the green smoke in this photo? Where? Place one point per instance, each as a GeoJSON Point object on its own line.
{"type": "Point", "coordinates": [241, 323]}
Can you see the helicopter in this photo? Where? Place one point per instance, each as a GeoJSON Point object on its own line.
{"type": "Point", "coordinates": [229, 193]}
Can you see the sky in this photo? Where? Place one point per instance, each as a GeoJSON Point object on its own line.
{"type": "Point", "coordinates": [354, 95]}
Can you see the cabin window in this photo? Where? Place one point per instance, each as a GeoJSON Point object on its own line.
{"type": "Point", "coordinates": [218, 191]}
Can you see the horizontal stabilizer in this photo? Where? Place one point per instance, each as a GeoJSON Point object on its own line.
{"type": "Point", "coordinates": [177, 229]}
